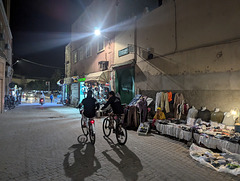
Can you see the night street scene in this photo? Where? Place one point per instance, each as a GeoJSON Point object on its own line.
{"type": "Point", "coordinates": [119, 90]}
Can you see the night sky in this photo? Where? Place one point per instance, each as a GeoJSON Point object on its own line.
{"type": "Point", "coordinates": [41, 30]}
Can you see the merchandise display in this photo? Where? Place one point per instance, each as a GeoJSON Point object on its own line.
{"type": "Point", "coordinates": [222, 162]}
{"type": "Point", "coordinates": [214, 130]}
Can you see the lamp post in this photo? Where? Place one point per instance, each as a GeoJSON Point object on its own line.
{"type": "Point", "coordinates": [15, 63]}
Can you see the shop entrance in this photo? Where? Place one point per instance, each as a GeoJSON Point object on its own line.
{"type": "Point", "coordinates": [125, 84]}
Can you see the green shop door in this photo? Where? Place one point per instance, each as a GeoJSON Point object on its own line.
{"type": "Point", "coordinates": [125, 84]}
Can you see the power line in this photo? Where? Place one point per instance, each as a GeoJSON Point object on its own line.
{"type": "Point", "coordinates": [48, 66]}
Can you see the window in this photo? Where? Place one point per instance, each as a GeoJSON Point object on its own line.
{"type": "Point", "coordinates": [88, 50]}
{"type": "Point", "coordinates": [81, 54]}
{"type": "Point", "coordinates": [101, 45]}
{"type": "Point", "coordinates": [75, 56]}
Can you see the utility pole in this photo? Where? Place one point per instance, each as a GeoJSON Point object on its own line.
{"type": "Point", "coordinates": [48, 84]}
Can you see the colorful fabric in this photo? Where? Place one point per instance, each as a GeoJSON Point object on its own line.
{"type": "Point", "coordinates": [169, 96]}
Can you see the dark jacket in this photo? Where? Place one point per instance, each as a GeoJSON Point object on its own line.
{"type": "Point", "coordinates": [116, 105]}
{"type": "Point", "coordinates": [90, 106]}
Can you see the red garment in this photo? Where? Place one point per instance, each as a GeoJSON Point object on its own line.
{"type": "Point", "coordinates": [169, 96]}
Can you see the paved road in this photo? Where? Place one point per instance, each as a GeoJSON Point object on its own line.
{"type": "Point", "coordinates": [39, 143]}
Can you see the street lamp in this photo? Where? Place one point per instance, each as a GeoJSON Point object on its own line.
{"type": "Point", "coordinates": [16, 62]}
{"type": "Point", "coordinates": [97, 32]}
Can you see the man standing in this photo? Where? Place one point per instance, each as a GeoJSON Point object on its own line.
{"type": "Point", "coordinates": [51, 97]}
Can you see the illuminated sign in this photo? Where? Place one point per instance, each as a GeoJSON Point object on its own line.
{"type": "Point", "coordinates": [82, 80]}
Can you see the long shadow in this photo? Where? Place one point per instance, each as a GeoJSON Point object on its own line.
{"type": "Point", "coordinates": [85, 163]}
{"type": "Point", "coordinates": [129, 165]}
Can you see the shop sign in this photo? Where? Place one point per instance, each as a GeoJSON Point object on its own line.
{"type": "Point", "coordinates": [123, 52]}
{"type": "Point", "coordinates": [75, 79]}
{"type": "Point", "coordinates": [81, 80]}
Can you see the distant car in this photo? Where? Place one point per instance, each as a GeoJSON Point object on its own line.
{"type": "Point", "coordinates": [30, 94]}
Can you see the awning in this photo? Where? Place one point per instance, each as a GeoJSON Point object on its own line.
{"type": "Point", "coordinates": [100, 77]}
{"type": "Point", "coordinates": [124, 64]}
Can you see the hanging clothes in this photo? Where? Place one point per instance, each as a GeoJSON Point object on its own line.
{"type": "Point", "coordinates": [142, 105]}
{"type": "Point", "coordinates": [158, 100]}
{"type": "Point", "coordinates": [178, 99]}
{"type": "Point", "coordinates": [132, 117]}
{"type": "Point", "coordinates": [162, 95]}
{"type": "Point", "coordinates": [167, 109]}
{"type": "Point", "coordinates": [169, 96]}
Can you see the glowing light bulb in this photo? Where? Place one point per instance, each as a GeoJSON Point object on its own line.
{"type": "Point", "coordinates": [97, 32]}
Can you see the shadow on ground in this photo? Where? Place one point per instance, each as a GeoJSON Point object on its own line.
{"type": "Point", "coordinates": [129, 164]}
{"type": "Point", "coordinates": [83, 164]}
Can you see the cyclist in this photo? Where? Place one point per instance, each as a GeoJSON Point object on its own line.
{"type": "Point", "coordinates": [115, 103]}
{"type": "Point", "coordinates": [90, 106]}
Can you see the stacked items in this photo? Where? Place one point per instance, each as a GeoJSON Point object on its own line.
{"type": "Point", "coordinates": [222, 162]}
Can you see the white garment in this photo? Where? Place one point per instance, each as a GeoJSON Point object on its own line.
{"type": "Point", "coordinates": [158, 100]}
{"type": "Point", "coordinates": [190, 121]}
{"type": "Point", "coordinates": [192, 113]}
{"type": "Point", "coordinates": [228, 119]}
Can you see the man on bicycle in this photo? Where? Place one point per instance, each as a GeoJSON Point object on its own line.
{"type": "Point", "coordinates": [90, 106]}
{"type": "Point", "coordinates": [115, 103]}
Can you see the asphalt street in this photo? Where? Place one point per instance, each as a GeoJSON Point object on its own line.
{"type": "Point", "coordinates": [40, 143]}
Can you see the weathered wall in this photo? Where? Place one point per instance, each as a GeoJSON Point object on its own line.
{"type": "Point", "coordinates": [122, 40]}
{"type": "Point", "coordinates": [199, 41]}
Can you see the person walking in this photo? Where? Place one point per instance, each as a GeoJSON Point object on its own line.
{"type": "Point", "coordinates": [51, 97]}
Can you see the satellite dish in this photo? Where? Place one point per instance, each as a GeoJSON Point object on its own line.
{"type": "Point", "coordinates": [12, 85]}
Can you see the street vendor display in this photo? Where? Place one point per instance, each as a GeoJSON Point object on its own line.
{"type": "Point", "coordinates": [212, 129]}
{"type": "Point", "coordinates": [222, 162]}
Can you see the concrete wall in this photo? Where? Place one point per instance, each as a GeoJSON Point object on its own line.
{"type": "Point", "coordinates": [122, 39]}
{"type": "Point", "coordinates": [196, 51]}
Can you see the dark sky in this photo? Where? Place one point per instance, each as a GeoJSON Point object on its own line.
{"type": "Point", "coordinates": [41, 30]}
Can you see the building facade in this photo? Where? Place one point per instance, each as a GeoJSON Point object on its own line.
{"type": "Point", "coordinates": [6, 70]}
{"type": "Point", "coordinates": [195, 50]}
{"type": "Point", "coordinates": [89, 56]}
{"type": "Point", "coordinates": [163, 46]}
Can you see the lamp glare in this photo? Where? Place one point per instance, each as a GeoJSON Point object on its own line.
{"type": "Point", "coordinates": [97, 32]}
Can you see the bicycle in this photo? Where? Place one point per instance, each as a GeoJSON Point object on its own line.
{"type": "Point", "coordinates": [88, 128]}
{"type": "Point", "coordinates": [113, 122]}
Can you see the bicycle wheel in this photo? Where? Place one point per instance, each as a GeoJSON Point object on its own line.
{"type": "Point", "coordinates": [106, 127]}
{"type": "Point", "coordinates": [84, 128]}
{"type": "Point", "coordinates": [92, 135]}
{"type": "Point", "coordinates": [121, 134]}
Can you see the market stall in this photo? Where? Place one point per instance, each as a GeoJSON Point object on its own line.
{"type": "Point", "coordinates": [98, 82]}
{"type": "Point", "coordinates": [211, 129]}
